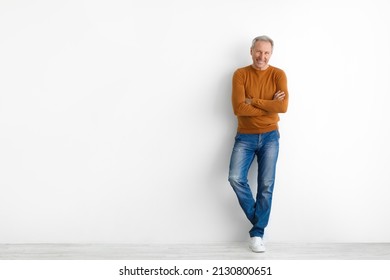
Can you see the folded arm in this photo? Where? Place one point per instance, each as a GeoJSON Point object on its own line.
{"type": "Point", "coordinates": [279, 103]}
{"type": "Point", "coordinates": [240, 107]}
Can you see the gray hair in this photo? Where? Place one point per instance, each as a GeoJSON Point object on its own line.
{"type": "Point", "coordinates": [263, 38]}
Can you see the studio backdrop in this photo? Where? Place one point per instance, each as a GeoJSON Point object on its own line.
{"type": "Point", "coordinates": [116, 122]}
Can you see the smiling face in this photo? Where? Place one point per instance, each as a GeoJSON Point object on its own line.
{"type": "Point", "coordinates": [261, 53]}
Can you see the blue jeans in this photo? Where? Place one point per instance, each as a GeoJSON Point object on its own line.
{"type": "Point", "coordinates": [265, 147]}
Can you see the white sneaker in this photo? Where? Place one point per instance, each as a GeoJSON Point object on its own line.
{"type": "Point", "coordinates": [256, 244]}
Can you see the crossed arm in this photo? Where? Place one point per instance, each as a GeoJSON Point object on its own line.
{"type": "Point", "coordinates": [248, 107]}
{"type": "Point", "coordinates": [276, 105]}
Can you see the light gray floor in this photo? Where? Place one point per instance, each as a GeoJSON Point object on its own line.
{"type": "Point", "coordinates": [230, 251]}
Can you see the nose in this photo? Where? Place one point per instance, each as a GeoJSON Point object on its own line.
{"type": "Point", "coordinates": [261, 56]}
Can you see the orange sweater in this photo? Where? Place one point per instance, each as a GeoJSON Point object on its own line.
{"type": "Point", "coordinates": [260, 85]}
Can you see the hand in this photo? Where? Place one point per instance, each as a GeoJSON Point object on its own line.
{"type": "Point", "coordinates": [248, 101]}
{"type": "Point", "coordinates": [279, 95]}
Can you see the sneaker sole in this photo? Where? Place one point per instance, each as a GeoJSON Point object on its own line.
{"type": "Point", "coordinates": [257, 250]}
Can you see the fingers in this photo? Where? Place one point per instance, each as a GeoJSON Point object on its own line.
{"type": "Point", "coordinates": [279, 95]}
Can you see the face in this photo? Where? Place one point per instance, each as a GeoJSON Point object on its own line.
{"type": "Point", "coordinates": [261, 53]}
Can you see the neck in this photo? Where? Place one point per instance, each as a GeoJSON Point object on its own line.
{"type": "Point", "coordinates": [260, 68]}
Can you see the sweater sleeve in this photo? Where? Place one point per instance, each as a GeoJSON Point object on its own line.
{"type": "Point", "coordinates": [240, 108]}
{"type": "Point", "coordinates": [275, 106]}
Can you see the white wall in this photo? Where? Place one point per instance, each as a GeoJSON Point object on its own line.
{"type": "Point", "coordinates": [116, 123]}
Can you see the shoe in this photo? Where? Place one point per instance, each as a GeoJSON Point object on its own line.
{"type": "Point", "coordinates": [256, 244]}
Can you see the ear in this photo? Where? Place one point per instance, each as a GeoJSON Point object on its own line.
{"type": "Point", "coordinates": [251, 51]}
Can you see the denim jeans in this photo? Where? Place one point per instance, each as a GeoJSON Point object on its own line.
{"type": "Point", "coordinates": [265, 147]}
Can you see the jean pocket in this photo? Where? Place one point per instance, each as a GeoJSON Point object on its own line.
{"type": "Point", "coordinates": [274, 135]}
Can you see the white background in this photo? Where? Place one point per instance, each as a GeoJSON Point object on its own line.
{"type": "Point", "coordinates": [116, 123]}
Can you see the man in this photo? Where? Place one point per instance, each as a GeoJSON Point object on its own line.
{"type": "Point", "coordinates": [259, 93]}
